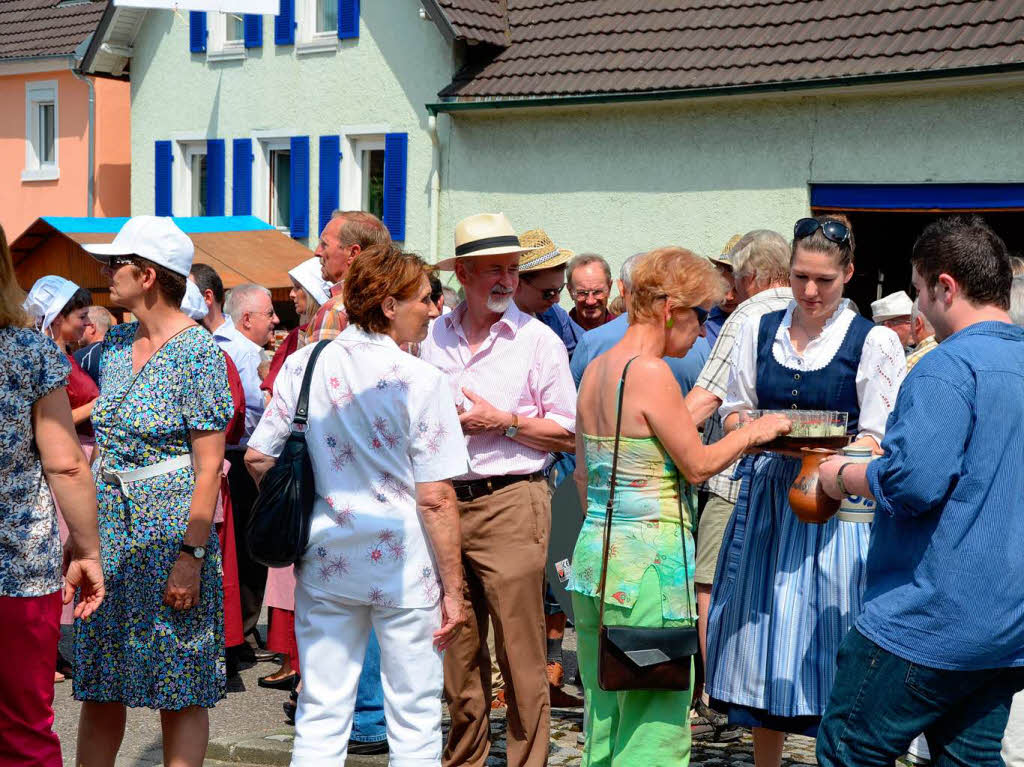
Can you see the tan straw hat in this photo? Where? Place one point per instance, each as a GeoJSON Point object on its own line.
{"type": "Point", "coordinates": [545, 254]}
{"type": "Point", "coordinates": [725, 259]}
{"type": "Point", "coordinates": [485, 234]}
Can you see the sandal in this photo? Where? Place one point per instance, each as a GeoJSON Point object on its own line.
{"type": "Point", "coordinates": [708, 725]}
{"type": "Point", "coordinates": [291, 706]}
{"type": "Point", "coordinates": [283, 683]}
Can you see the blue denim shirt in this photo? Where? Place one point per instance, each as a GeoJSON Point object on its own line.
{"type": "Point", "coordinates": [599, 340]}
{"type": "Point", "coordinates": [558, 320]}
{"type": "Point", "coordinates": [945, 569]}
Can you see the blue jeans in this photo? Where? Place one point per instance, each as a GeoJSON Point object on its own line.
{"type": "Point", "coordinates": [368, 723]}
{"type": "Point", "coordinates": [880, 702]}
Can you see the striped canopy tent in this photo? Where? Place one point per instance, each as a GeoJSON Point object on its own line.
{"type": "Point", "coordinates": [241, 248]}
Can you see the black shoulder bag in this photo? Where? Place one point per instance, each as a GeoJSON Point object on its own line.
{"type": "Point", "coordinates": [278, 529]}
{"type": "Point", "coordinates": [634, 658]}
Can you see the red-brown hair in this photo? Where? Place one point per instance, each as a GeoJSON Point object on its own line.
{"type": "Point", "coordinates": [376, 273]}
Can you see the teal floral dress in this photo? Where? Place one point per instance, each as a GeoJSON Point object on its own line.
{"type": "Point", "coordinates": [645, 527]}
{"type": "Point", "coordinates": [135, 649]}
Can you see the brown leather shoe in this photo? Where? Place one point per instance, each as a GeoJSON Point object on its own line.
{"type": "Point", "coordinates": [556, 674]}
{"type": "Point", "coordinates": [561, 699]}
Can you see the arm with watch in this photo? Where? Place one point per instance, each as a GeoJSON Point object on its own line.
{"type": "Point", "coordinates": [182, 589]}
{"type": "Point", "coordinates": [840, 477]}
{"type": "Point", "coordinates": [539, 433]}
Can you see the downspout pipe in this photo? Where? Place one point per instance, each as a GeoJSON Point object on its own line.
{"type": "Point", "coordinates": [435, 186]}
{"type": "Point", "coordinates": [90, 193]}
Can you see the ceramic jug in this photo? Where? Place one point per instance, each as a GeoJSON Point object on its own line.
{"type": "Point", "coordinates": [808, 501]}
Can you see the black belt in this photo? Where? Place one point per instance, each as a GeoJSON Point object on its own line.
{"type": "Point", "coordinates": [471, 489]}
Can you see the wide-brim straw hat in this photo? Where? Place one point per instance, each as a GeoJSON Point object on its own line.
{"type": "Point", "coordinates": [545, 253]}
{"type": "Point", "coordinates": [485, 234]}
{"type": "Point", "coordinates": [725, 259]}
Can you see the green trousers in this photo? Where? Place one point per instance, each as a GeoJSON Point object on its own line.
{"type": "Point", "coordinates": [636, 728]}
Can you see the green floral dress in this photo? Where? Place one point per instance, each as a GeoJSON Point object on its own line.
{"type": "Point", "coordinates": [134, 649]}
{"type": "Point", "coordinates": [645, 527]}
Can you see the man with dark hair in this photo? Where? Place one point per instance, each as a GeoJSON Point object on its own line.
{"type": "Point", "coordinates": [212, 288]}
{"type": "Point", "coordinates": [347, 234]}
{"type": "Point", "coordinates": [938, 648]}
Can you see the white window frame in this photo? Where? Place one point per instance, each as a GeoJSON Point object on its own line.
{"type": "Point", "coordinates": [185, 149]}
{"type": "Point", "coordinates": [265, 143]}
{"type": "Point", "coordinates": [218, 48]}
{"type": "Point", "coordinates": [352, 172]}
{"type": "Point", "coordinates": [39, 92]}
{"type": "Point", "coordinates": [307, 39]}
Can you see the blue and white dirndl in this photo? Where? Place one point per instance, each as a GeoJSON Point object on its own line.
{"type": "Point", "coordinates": [786, 592]}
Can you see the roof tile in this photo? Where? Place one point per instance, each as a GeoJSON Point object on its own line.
{"type": "Point", "coordinates": [30, 28]}
{"type": "Point", "coordinates": [577, 47]}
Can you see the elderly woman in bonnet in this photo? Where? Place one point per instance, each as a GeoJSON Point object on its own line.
{"type": "Point", "coordinates": [160, 419]}
{"type": "Point", "coordinates": [39, 453]}
{"type": "Point", "coordinates": [384, 440]}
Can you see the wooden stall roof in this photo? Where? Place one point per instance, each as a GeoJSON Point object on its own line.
{"type": "Point", "coordinates": [241, 248]}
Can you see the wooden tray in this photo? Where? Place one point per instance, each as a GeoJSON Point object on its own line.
{"type": "Point", "coordinates": [793, 445]}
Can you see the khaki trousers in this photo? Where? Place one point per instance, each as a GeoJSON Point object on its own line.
{"type": "Point", "coordinates": [504, 550]}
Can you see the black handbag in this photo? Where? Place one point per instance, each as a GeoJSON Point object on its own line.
{"type": "Point", "coordinates": [278, 529]}
{"type": "Point", "coordinates": [635, 658]}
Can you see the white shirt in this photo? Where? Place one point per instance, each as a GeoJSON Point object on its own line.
{"type": "Point", "coordinates": [521, 367]}
{"type": "Point", "coordinates": [247, 357]}
{"type": "Point", "coordinates": [879, 374]}
{"type": "Point", "coordinates": [380, 421]}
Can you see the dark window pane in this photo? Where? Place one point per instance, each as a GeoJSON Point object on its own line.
{"type": "Point", "coordinates": [373, 182]}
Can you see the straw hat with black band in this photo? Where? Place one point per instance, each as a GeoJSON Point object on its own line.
{"type": "Point", "coordinates": [543, 253]}
{"type": "Point", "coordinates": [725, 259]}
{"type": "Point", "coordinates": [485, 234]}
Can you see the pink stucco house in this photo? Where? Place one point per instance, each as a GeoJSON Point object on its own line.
{"type": "Point", "coordinates": [65, 140]}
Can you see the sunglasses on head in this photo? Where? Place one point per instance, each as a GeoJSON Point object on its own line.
{"type": "Point", "coordinates": [116, 262]}
{"type": "Point", "coordinates": [835, 231]}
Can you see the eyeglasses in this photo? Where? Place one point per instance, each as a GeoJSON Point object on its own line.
{"type": "Point", "coordinates": [702, 314]}
{"type": "Point", "coordinates": [267, 314]}
{"type": "Point", "coordinates": [582, 295]}
{"type": "Point", "coordinates": [548, 294]}
{"type": "Point", "coordinates": [836, 231]}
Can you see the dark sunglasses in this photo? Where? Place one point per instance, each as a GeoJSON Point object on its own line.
{"type": "Point", "coordinates": [702, 314]}
{"type": "Point", "coordinates": [836, 231]}
{"type": "Point", "coordinates": [546, 293]}
{"type": "Point", "coordinates": [116, 262]}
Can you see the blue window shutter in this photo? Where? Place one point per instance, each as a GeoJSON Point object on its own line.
{"type": "Point", "coordinates": [162, 175]}
{"type": "Point", "coordinates": [330, 157]}
{"type": "Point", "coordinates": [215, 177]}
{"type": "Point", "coordinates": [241, 178]}
{"type": "Point", "coordinates": [284, 23]}
{"type": "Point", "coordinates": [299, 224]}
{"type": "Point", "coordinates": [253, 24]}
{"type": "Point", "coordinates": [348, 19]}
{"type": "Point", "coordinates": [396, 156]}
{"type": "Point", "coordinates": [197, 31]}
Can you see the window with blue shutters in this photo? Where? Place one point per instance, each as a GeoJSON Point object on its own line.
{"type": "Point", "coordinates": [253, 30]}
{"type": "Point", "coordinates": [215, 181]}
{"type": "Point", "coordinates": [330, 177]}
{"type": "Point", "coordinates": [299, 225]}
{"type": "Point", "coordinates": [284, 23]}
{"type": "Point", "coordinates": [348, 19]}
{"type": "Point", "coordinates": [162, 177]}
{"type": "Point", "coordinates": [197, 31]}
{"type": "Point", "coordinates": [396, 155]}
{"type": "Point", "coordinates": [241, 177]}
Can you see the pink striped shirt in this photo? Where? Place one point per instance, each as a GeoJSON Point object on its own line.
{"type": "Point", "coordinates": [521, 367]}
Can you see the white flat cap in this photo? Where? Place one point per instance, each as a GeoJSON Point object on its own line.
{"type": "Point", "coordinates": [896, 304]}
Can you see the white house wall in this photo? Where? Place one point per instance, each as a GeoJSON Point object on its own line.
{"type": "Point", "coordinates": [383, 79]}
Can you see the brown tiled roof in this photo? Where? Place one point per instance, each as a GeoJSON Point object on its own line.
{"type": "Point", "coordinates": [482, 21]}
{"type": "Point", "coordinates": [45, 27]}
{"type": "Point", "coordinates": [579, 47]}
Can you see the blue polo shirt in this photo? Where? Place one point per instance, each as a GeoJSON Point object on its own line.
{"type": "Point", "coordinates": [602, 338]}
{"type": "Point", "coordinates": [945, 567]}
{"type": "Point", "coordinates": [558, 320]}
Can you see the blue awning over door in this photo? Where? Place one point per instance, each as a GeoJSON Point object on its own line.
{"type": "Point", "coordinates": [917, 196]}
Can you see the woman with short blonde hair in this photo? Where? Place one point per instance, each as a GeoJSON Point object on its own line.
{"type": "Point", "coordinates": [649, 574]}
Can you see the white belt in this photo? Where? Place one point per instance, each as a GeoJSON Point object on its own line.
{"type": "Point", "coordinates": [124, 478]}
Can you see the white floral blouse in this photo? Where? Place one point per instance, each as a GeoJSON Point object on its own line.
{"type": "Point", "coordinates": [380, 420]}
{"type": "Point", "coordinates": [30, 555]}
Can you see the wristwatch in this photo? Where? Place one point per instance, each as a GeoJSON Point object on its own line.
{"type": "Point", "coordinates": [839, 479]}
{"type": "Point", "coordinates": [513, 430]}
{"type": "Point", "coordinates": [196, 551]}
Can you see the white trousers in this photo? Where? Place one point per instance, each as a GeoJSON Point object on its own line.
{"type": "Point", "coordinates": [1013, 735]}
{"type": "Point", "coordinates": [332, 634]}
